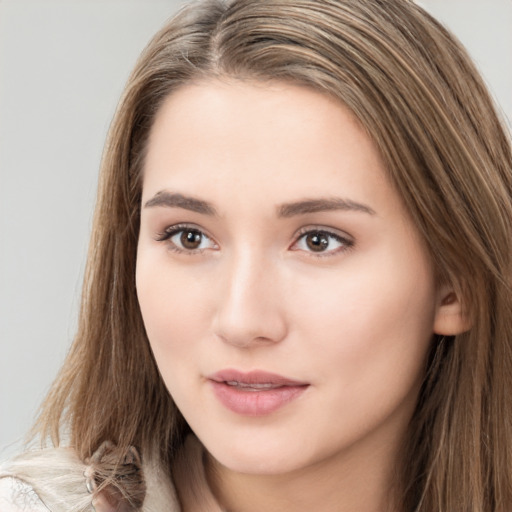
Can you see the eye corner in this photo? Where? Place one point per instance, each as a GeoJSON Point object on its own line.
{"type": "Point", "coordinates": [186, 239]}
{"type": "Point", "coordinates": [316, 241]}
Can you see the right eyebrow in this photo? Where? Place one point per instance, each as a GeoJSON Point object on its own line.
{"type": "Point", "coordinates": [322, 205]}
{"type": "Point", "coordinates": [175, 200]}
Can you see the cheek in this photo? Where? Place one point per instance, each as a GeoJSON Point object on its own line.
{"type": "Point", "coordinates": [370, 325]}
{"type": "Point", "coordinates": [172, 312]}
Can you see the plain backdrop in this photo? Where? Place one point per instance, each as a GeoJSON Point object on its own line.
{"type": "Point", "coordinates": [62, 68]}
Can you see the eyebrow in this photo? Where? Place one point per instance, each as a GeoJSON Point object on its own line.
{"type": "Point", "coordinates": [322, 205]}
{"type": "Point", "coordinates": [174, 200]}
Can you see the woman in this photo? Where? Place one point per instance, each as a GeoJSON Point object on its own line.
{"type": "Point", "coordinates": [301, 254]}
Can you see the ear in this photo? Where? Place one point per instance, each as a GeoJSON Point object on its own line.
{"type": "Point", "coordinates": [450, 318]}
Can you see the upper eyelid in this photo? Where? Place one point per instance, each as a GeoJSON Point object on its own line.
{"type": "Point", "coordinates": [170, 231]}
{"type": "Point", "coordinates": [324, 229]}
{"type": "Point", "coordinates": [336, 233]}
{"type": "Point", "coordinates": [347, 241]}
{"type": "Point", "coordinates": [176, 228]}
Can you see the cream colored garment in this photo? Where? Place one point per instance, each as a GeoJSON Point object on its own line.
{"type": "Point", "coordinates": [53, 480]}
{"type": "Point", "coordinates": [17, 496]}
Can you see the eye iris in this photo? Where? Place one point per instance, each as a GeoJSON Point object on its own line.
{"type": "Point", "coordinates": [191, 239]}
{"type": "Point", "coordinates": [317, 241]}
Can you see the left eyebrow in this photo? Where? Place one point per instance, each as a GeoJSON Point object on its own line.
{"type": "Point", "coordinates": [174, 200]}
{"type": "Point", "coordinates": [322, 205]}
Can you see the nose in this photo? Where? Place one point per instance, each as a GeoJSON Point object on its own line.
{"type": "Point", "coordinates": [250, 309]}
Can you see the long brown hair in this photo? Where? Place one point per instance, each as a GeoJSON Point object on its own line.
{"type": "Point", "coordinates": [416, 92]}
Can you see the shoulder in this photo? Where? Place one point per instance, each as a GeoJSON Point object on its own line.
{"type": "Point", "coordinates": [44, 480]}
{"type": "Point", "coordinates": [55, 480]}
{"type": "Point", "coordinates": [18, 496]}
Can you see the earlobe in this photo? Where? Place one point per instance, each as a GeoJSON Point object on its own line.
{"type": "Point", "coordinates": [450, 319]}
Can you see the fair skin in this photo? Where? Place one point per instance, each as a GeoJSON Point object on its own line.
{"type": "Point", "coordinates": [271, 240]}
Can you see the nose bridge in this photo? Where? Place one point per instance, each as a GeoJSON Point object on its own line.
{"type": "Point", "coordinates": [248, 309]}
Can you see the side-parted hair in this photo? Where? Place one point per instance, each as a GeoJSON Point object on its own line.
{"type": "Point", "coordinates": [419, 97]}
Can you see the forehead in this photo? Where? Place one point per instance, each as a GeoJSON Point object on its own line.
{"type": "Point", "coordinates": [287, 139]}
{"type": "Point", "coordinates": [233, 110]}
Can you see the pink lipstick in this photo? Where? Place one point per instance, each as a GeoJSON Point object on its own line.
{"type": "Point", "coordinates": [255, 393]}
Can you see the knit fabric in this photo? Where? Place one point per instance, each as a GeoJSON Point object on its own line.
{"type": "Point", "coordinates": [54, 480]}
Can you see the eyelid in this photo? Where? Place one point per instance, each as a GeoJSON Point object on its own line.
{"type": "Point", "coordinates": [342, 237]}
{"type": "Point", "coordinates": [170, 231]}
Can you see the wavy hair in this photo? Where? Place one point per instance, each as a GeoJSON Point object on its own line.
{"type": "Point", "coordinates": [419, 97]}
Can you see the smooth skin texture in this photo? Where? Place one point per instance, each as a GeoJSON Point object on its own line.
{"type": "Point", "coordinates": [337, 291]}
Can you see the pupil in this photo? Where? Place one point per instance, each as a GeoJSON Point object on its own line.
{"type": "Point", "coordinates": [191, 239]}
{"type": "Point", "coordinates": [317, 242]}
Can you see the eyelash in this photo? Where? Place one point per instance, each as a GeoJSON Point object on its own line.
{"type": "Point", "coordinates": [346, 243]}
{"type": "Point", "coordinates": [171, 231]}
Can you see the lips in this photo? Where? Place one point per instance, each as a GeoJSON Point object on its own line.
{"type": "Point", "coordinates": [254, 393]}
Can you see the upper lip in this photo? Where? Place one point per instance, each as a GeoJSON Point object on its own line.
{"type": "Point", "coordinates": [254, 377]}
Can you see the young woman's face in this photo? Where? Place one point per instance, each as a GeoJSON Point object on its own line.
{"type": "Point", "coordinates": [287, 297]}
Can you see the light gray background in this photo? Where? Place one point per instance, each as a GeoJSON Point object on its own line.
{"type": "Point", "coordinates": [62, 68]}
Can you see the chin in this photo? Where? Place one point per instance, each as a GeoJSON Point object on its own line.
{"type": "Point", "coordinates": [258, 454]}
{"type": "Point", "coordinates": [256, 464]}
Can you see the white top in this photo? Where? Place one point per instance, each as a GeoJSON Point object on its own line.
{"type": "Point", "coordinates": [17, 496]}
{"type": "Point", "coordinates": [54, 480]}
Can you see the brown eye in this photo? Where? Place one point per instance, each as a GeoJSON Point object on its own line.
{"type": "Point", "coordinates": [191, 239]}
{"type": "Point", "coordinates": [322, 243]}
{"type": "Point", "coordinates": [317, 241]}
{"type": "Point", "coordinates": [186, 239]}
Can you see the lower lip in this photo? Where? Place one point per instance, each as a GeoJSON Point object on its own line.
{"type": "Point", "coordinates": [255, 403]}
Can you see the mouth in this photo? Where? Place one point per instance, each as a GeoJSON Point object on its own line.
{"type": "Point", "coordinates": [245, 386]}
{"type": "Point", "coordinates": [254, 393]}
